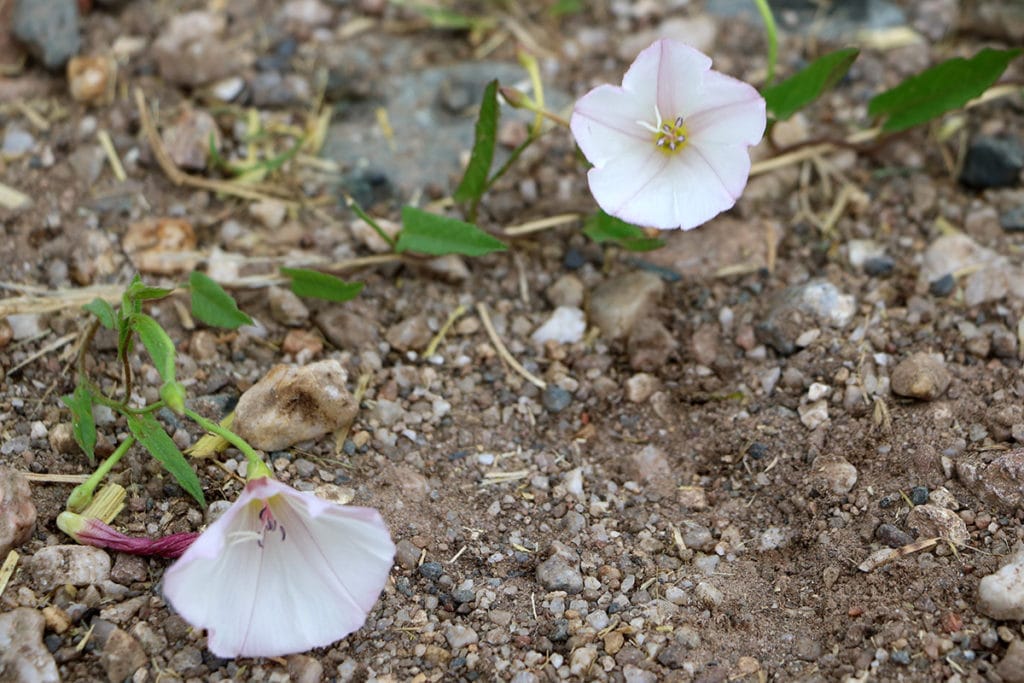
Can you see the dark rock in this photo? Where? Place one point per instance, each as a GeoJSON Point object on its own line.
{"type": "Point", "coordinates": [1013, 220]}
{"type": "Point", "coordinates": [919, 495]}
{"type": "Point", "coordinates": [673, 655]}
{"type": "Point", "coordinates": [574, 259]}
{"type": "Point", "coordinates": [879, 266]}
{"type": "Point", "coordinates": [48, 29]}
{"type": "Point", "coordinates": [993, 162]}
{"type": "Point", "coordinates": [431, 570]}
{"type": "Point", "coordinates": [555, 399]}
{"type": "Point", "coordinates": [942, 286]}
{"type": "Point", "coordinates": [892, 536]}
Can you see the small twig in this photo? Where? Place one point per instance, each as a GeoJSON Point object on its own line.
{"type": "Point", "coordinates": [439, 337]}
{"type": "Point", "coordinates": [7, 570]}
{"type": "Point", "coordinates": [485, 318]}
{"type": "Point", "coordinates": [540, 224]}
{"type": "Point", "coordinates": [55, 478]}
{"type": "Point", "coordinates": [179, 177]}
{"type": "Point", "coordinates": [115, 161]}
{"type": "Point", "coordinates": [886, 555]}
{"type": "Point", "coordinates": [52, 346]}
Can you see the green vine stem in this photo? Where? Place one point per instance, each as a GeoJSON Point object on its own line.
{"type": "Point", "coordinates": [82, 494]}
{"type": "Point", "coordinates": [255, 461]}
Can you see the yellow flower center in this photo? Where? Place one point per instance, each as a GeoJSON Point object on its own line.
{"type": "Point", "coordinates": [670, 138]}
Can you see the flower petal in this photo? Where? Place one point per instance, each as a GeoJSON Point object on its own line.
{"type": "Point", "coordinates": [731, 112]}
{"type": "Point", "coordinates": [674, 71]}
{"type": "Point", "coordinates": [604, 123]}
{"type": "Point", "coordinates": [686, 191]}
{"type": "Point", "coordinates": [306, 579]}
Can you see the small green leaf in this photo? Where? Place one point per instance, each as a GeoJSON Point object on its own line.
{"type": "Point", "coordinates": [604, 228]}
{"type": "Point", "coordinates": [150, 434]}
{"type": "Point", "coordinates": [474, 181]}
{"type": "Point", "coordinates": [944, 87]}
{"type": "Point", "coordinates": [104, 311]}
{"type": "Point", "coordinates": [139, 291]}
{"type": "Point", "coordinates": [158, 343]}
{"type": "Point", "coordinates": [563, 7]}
{"type": "Point", "coordinates": [428, 233]}
{"type": "Point", "coordinates": [802, 88]}
{"type": "Point", "coordinates": [312, 283]}
{"type": "Point", "coordinates": [83, 426]}
{"type": "Point", "coordinates": [214, 306]}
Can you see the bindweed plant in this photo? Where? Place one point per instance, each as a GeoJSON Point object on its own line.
{"type": "Point", "coordinates": [668, 148]}
{"type": "Point", "coordinates": [280, 571]}
{"type": "Point", "coordinates": [211, 305]}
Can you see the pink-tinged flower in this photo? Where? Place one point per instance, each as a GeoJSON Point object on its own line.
{"type": "Point", "coordinates": [670, 146]}
{"type": "Point", "coordinates": [281, 572]}
{"type": "Point", "coordinates": [92, 531]}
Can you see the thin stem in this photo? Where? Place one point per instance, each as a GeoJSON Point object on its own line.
{"type": "Point", "coordinates": [82, 494]}
{"type": "Point", "coordinates": [358, 210]}
{"type": "Point", "coordinates": [772, 33]}
{"type": "Point", "coordinates": [234, 439]}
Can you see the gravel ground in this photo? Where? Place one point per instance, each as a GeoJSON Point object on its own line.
{"type": "Point", "coordinates": [736, 472]}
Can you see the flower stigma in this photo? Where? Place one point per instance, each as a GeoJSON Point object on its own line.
{"type": "Point", "coordinates": [267, 523]}
{"type": "Point", "coordinates": [669, 137]}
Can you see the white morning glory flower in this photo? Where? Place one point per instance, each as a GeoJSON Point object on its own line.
{"type": "Point", "coordinates": [281, 572]}
{"type": "Point", "coordinates": [670, 146]}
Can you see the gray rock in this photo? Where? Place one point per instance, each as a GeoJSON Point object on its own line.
{"type": "Point", "coordinates": [292, 404]}
{"type": "Point", "coordinates": [1013, 220]}
{"type": "Point", "coordinates": [188, 139]}
{"type": "Point", "coordinates": [618, 304]}
{"type": "Point", "coordinates": [555, 399]}
{"type": "Point", "coordinates": [1001, 595]}
{"type": "Point", "coordinates": [129, 569]}
{"type": "Point", "coordinates": [993, 162]}
{"type": "Point", "coordinates": [122, 656]}
{"type": "Point", "coordinates": [798, 309]}
{"type": "Point", "coordinates": [78, 565]}
{"type": "Point", "coordinates": [48, 29]}
{"type": "Point", "coordinates": [1011, 666]}
{"type": "Point", "coordinates": [1000, 483]}
{"type": "Point", "coordinates": [16, 141]}
{"type": "Point", "coordinates": [634, 674]}
{"type": "Point", "coordinates": [840, 18]}
{"type": "Point", "coordinates": [305, 669]}
{"type": "Point", "coordinates": [433, 109]}
{"type": "Point", "coordinates": [700, 254]}
{"type": "Point", "coordinates": [565, 291]}
{"type": "Point", "coordinates": [407, 554]}
{"type": "Point", "coordinates": [561, 571]}
{"type": "Point", "coordinates": [922, 376]}
{"type": "Point", "coordinates": [411, 334]}
{"type": "Point", "coordinates": [893, 536]}
{"type": "Point", "coordinates": [274, 89]}
{"type": "Point", "coordinates": [459, 636]}
{"type": "Point", "coordinates": [347, 328]}
{"type": "Point", "coordinates": [192, 51]}
{"type": "Point", "coordinates": [650, 466]}
{"type": "Point", "coordinates": [17, 512]}
{"type": "Point", "coordinates": [23, 656]}
{"type": "Point", "coordinates": [930, 521]}
{"type": "Point", "coordinates": [650, 345]}
{"type": "Point", "coordinates": [186, 661]}
{"type": "Point", "coordinates": [835, 473]}
{"type": "Point", "coordinates": [153, 641]}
